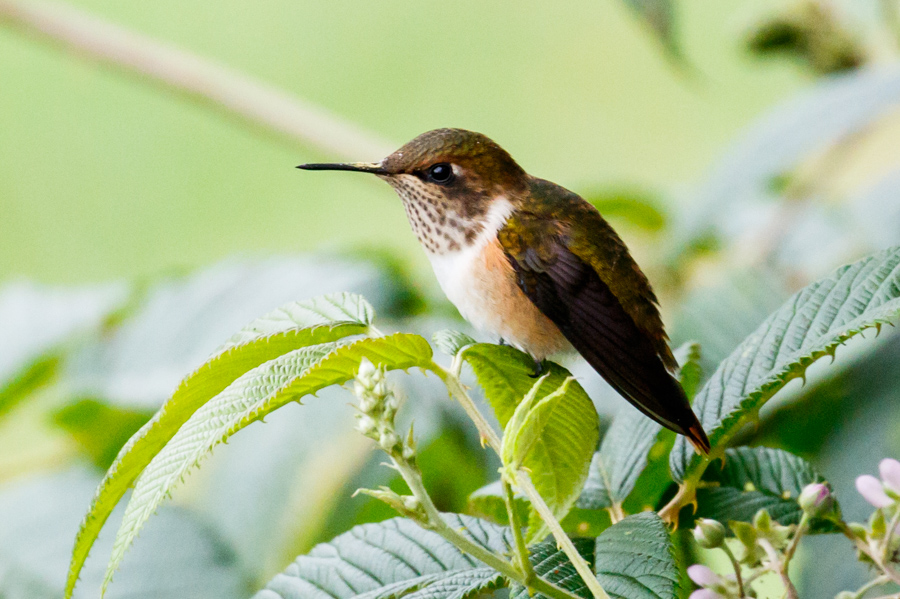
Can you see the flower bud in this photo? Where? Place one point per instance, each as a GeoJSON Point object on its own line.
{"type": "Point", "coordinates": [365, 424]}
{"type": "Point", "coordinates": [380, 389]}
{"type": "Point", "coordinates": [709, 534]}
{"type": "Point", "coordinates": [816, 500]}
{"type": "Point", "coordinates": [872, 491]}
{"type": "Point", "coordinates": [358, 389]}
{"type": "Point", "coordinates": [366, 369]}
{"type": "Point", "coordinates": [389, 440]}
{"type": "Point", "coordinates": [411, 503]}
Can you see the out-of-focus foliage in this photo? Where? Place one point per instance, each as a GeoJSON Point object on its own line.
{"type": "Point", "coordinates": [105, 178]}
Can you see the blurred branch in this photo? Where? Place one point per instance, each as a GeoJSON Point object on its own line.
{"type": "Point", "coordinates": [197, 77]}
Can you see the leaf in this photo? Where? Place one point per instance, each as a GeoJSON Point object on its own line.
{"type": "Point", "coordinates": [35, 321]}
{"type": "Point", "coordinates": [755, 478]}
{"type": "Point", "coordinates": [635, 559]}
{"type": "Point", "coordinates": [639, 209]}
{"type": "Point", "coordinates": [450, 342]}
{"type": "Point", "coordinates": [561, 457]}
{"type": "Point", "coordinates": [810, 325]}
{"type": "Point", "coordinates": [99, 429]}
{"type": "Point", "coordinates": [488, 502]}
{"type": "Point", "coordinates": [690, 375]}
{"type": "Point", "coordinates": [392, 559]}
{"type": "Point", "coordinates": [552, 564]}
{"type": "Point", "coordinates": [180, 555]}
{"type": "Point", "coordinates": [296, 325]}
{"type": "Point", "coordinates": [251, 397]}
{"type": "Point", "coordinates": [620, 461]}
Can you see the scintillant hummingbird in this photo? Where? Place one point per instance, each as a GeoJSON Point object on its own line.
{"type": "Point", "coordinates": [536, 265]}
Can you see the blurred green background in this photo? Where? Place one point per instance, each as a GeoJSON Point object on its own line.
{"type": "Point", "coordinates": [742, 149]}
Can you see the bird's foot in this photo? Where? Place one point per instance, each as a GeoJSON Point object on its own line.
{"type": "Point", "coordinates": [503, 342]}
{"type": "Point", "coordinates": [538, 369]}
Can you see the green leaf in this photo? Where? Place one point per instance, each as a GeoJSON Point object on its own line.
{"type": "Point", "coordinates": [392, 559]}
{"type": "Point", "coordinates": [251, 397]}
{"type": "Point", "coordinates": [620, 461]}
{"type": "Point", "coordinates": [560, 459]}
{"type": "Point", "coordinates": [810, 325]}
{"type": "Point", "coordinates": [450, 342]}
{"type": "Point", "coordinates": [755, 478]}
{"type": "Point", "coordinates": [552, 564]}
{"type": "Point", "coordinates": [99, 429]}
{"type": "Point", "coordinates": [637, 208]}
{"type": "Point", "coordinates": [690, 374]}
{"type": "Point", "coordinates": [488, 502]}
{"type": "Point", "coordinates": [295, 325]}
{"type": "Point", "coordinates": [635, 559]}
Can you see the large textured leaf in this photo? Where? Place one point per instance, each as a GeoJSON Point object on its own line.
{"type": "Point", "coordinates": [296, 325]}
{"type": "Point", "coordinates": [810, 325]}
{"type": "Point", "coordinates": [450, 342]}
{"type": "Point", "coordinates": [251, 397]}
{"type": "Point", "coordinates": [754, 478]}
{"type": "Point", "coordinates": [180, 555]}
{"type": "Point", "coordinates": [635, 559]}
{"type": "Point", "coordinates": [552, 564]}
{"type": "Point", "coordinates": [621, 459]}
{"type": "Point", "coordinates": [391, 559]}
{"type": "Point", "coordinates": [560, 459]}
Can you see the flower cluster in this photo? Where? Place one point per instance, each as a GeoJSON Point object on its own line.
{"type": "Point", "coordinates": [880, 538]}
{"type": "Point", "coordinates": [884, 493]}
{"type": "Point", "coordinates": [377, 408]}
{"type": "Point", "coordinates": [712, 586]}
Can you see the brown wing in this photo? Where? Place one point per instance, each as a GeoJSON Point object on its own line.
{"type": "Point", "coordinates": [572, 295]}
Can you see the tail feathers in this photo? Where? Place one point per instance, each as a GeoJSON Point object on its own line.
{"type": "Point", "coordinates": [697, 436]}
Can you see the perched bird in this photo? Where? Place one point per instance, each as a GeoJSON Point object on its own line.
{"type": "Point", "coordinates": [535, 264]}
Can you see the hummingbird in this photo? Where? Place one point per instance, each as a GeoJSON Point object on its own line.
{"type": "Point", "coordinates": [535, 264]}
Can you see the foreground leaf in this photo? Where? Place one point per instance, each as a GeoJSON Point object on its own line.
{"type": "Point", "coordinates": [250, 398]}
{"type": "Point", "coordinates": [620, 461]}
{"type": "Point", "coordinates": [553, 565]}
{"type": "Point", "coordinates": [755, 478]}
{"type": "Point", "coordinates": [635, 559]}
{"type": "Point", "coordinates": [450, 342]}
{"type": "Point", "coordinates": [561, 456]}
{"type": "Point", "coordinates": [394, 558]}
{"type": "Point", "coordinates": [295, 325]}
{"type": "Point", "coordinates": [810, 325]}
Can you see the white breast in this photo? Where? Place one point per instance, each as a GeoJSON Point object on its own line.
{"type": "Point", "coordinates": [457, 274]}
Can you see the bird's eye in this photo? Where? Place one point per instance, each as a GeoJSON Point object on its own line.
{"type": "Point", "coordinates": [441, 173]}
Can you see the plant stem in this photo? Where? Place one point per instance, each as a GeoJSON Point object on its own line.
{"type": "Point", "coordinates": [889, 535]}
{"type": "Point", "coordinates": [877, 582]}
{"type": "Point", "coordinates": [802, 527]}
{"type": "Point", "coordinates": [164, 64]}
{"type": "Point", "coordinates": [866, 550]}
{"type": "Point", "coordinates": [776, 565]}
{"type": "Point", "coordinates": [737, 569]}
{"type": "Point", "coordinates": [434, 522]}
{"type": "Point", "coordinates": [523, 481]}
{"type": "Point", "coordinates": [451, 381]}
{"type": "Point", "coordinates": [516, 524]}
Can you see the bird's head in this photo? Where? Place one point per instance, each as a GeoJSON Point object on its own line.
{"type": "Point", "coordinates": [453, 170]}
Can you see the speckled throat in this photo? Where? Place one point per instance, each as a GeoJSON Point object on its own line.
{"type": "Point", "coordinates": [439, 226]}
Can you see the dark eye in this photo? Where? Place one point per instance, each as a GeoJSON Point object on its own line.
{"type": "Point", "coordinates": [441, 173]}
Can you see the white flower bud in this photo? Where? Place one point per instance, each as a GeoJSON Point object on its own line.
{"type": "Point", "coordinates": [380, 389]}
{"type": "Point", "coordinates": [366, 372]}
{"type": "Point", "coordinates": [365, 425]}
{"type": "Point", "coordinates": [411, 503]}
{"type": "Point", "coordinates": [709, 534]}
{"type": "Point", "coordinates": [389, 440]}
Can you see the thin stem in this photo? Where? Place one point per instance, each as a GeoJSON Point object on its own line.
{"type": "Point", "coordinates": [802, 527]}
{"type": "Point", "coordinates": [776, 565]}
{"type": "Point", "coordinates": [737, 569]}
{"type": "Point", "coordinates": [877, 582]}
{"type": "Point", "coordinates": [434, 521]}
{"type": "Point", "coordinates": [164, 64]}
{"type": "Point", "coordinates": [866, 550]}
{"type": "Point", "coordinates": [488, 435]}
{"type": "Point", "coordinates": [516, 524]}
{"type": "Point", "coordinates": [523, 481]}
{"type": "Point", "coordinates": [889, 535]}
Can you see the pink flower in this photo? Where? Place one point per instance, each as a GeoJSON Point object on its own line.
{"type": "Point", "coordinates": [872, 491]}
{"type": "Point", "coordinates": [703, 576]}
{"type": "Point", "coordinates": [890, 474]}
{"type": "Point", "coordinates": [705, 594]}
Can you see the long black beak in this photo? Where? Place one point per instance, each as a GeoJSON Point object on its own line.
{"type": "Point", "coordinates": [361, 167]}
